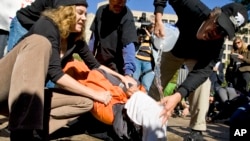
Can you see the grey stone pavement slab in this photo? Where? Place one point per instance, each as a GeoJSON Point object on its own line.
{"type": "Point", "coordinates": [177, 129]}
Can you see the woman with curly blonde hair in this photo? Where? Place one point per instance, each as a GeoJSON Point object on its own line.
{"type": "Point", "coordinates": [40, 56]}
{"type": "Point", "coordinates": [242, 60]}
{"type": "Point", "coordinates": [239, 46]}
{"type": "Point", "coordinates": [65, 20]}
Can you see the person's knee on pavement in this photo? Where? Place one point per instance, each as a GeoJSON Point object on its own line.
{"type": "Point", "coordinates": [61, 116]}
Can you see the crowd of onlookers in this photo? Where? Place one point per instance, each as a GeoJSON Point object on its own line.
{"type": "Point", "coordinates": [230, 90]}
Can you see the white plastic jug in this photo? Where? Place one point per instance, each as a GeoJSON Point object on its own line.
{"type": "Point", "coordinates": [168, 41]}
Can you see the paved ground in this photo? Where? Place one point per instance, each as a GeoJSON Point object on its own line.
{"type": "Point", "coordinates": [177, 128]}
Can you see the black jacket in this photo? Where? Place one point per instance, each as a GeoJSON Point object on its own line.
{"type": "Point", "coordinates": [56, 63]}
{"type": "Point", "coordinates": [28, 15]}
{"type": "Point", "coordinates": [191, 14]}
{"type": "Point", "coordinates": [113, 32]}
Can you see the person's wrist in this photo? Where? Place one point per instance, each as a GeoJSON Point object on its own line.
{"type": "Point", "coordinates": [131, 75]}
{"type": "Point", "coordinates": [178, 96]}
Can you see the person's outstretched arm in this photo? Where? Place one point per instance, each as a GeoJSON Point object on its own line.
{"type": "Point", "coordinates": [68, 83]}
{"type": "Point", "coordinates": [159, 8]}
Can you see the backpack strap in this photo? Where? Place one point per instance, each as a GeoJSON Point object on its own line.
{"type": "Point", "coordinates": [144, 73]}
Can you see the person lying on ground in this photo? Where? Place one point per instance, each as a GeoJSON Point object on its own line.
{"type": "Point", "coordinates": [113, 113]}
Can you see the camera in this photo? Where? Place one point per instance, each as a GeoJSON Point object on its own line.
{"type": "Point", "coordinates": [144, 24]}
{"type": "Point", "coordinates": [141, 31]}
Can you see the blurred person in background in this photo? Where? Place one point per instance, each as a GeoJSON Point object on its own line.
{"type": "Point", "coordinates": [114, 36]}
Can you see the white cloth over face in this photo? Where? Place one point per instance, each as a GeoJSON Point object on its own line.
{"type": "Point", "coordinates": [145, 111]}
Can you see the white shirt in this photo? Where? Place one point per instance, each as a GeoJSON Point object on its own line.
{"type": "Point", "coordinates": [8, 10]}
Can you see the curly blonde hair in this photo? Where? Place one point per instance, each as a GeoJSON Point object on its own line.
{"type": "Point", "coordinates": [64, 17]}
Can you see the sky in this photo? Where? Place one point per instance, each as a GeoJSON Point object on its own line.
{"type": "Point", "coordinates": [147, 5]}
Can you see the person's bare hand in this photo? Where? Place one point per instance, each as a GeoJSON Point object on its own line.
{"type": "Point", "coordinates": [215, 68]}
{"type": "Point", "coordinates": [104, 97]}
{"type": "Point", "coordinates": [211, 99]}
{"type": "Point", "coordinates": [129, 80]}
{"type": "Point", "coordinates": [159, 28]}
{"type": "Point", "coordinates": [240, 56]}
{"type": "Point", "coordinates": [169, 103]}
{"type": "Point", "coordinates": [131, 90]}
{"type": "Point", "coordinates": [185, 111]}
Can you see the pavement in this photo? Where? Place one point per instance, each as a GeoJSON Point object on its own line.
{"type": "Point", "coordinates": [177, 129]}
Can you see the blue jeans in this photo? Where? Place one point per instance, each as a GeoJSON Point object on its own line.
{"type": "Point", "coordinates": [141, 67]}
{"type": "Point", "coordinates": [50, 84]}
{"type": "Point", "coordinates": [16, 32]}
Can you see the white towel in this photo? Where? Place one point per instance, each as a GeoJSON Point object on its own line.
{"type": "Point", "coordinates": [145, 111]}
